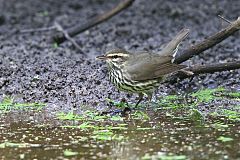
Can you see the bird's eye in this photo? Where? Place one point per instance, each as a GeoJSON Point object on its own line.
{"type": "Point", "coordinates": [115, 56]}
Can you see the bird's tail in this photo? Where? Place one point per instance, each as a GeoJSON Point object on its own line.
{"type": "Point", "coordinates": [172, 47]}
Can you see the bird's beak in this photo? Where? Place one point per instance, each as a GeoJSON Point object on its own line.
{"type": "Point", "coordinates": [102, 57]}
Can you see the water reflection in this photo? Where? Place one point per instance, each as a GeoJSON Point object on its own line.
{"type": "Point", "coordinates": [161, 136]}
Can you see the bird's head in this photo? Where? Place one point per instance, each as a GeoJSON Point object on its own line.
{"type": "Point", "coordinates": [115, 57]}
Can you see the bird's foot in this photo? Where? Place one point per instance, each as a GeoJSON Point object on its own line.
{"type": "Point", "coordinates": [126, 112]}
{"type": "Point", "coordinates": [120, 108]}
{"type": "Point", "coordinates": [122, 112]}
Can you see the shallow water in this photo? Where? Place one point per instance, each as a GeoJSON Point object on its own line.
{"type": "Point", "coordinates": [159, 136]}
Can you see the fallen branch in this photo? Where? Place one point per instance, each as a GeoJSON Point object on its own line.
{"type": "Point", "coordinates": [60, 38]}
{"type": "Point", "coordinates": [208, 42]}
{"type": "Point", "coordinates": [200, 69]}
{"type": "Point", "coordinates": [215, 67]}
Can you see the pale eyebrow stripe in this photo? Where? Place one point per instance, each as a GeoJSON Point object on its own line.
{"type": "Point", "coordinates": [118, 54]}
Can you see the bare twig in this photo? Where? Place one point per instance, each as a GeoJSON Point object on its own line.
{"type": "Point", "coordinates": [93, 22]}
{"type": "Point", "coordinates": [38, 29]}
{"type": "Point", "coordinates": [66, 35]}
{"type": "Point", "coordinates": [200, 69]}
{"type": "Point", "coordinates": [226, 20]}
{"type": "Point", "coordinates": [209, 42]}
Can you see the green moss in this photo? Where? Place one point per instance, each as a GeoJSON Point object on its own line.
{"type": "Point", "coordinates": [171, 102]}
{"type": "Point", "coordinates": [106, 135]}
{"type": "Point", "coordinates": [86, 116]}
{"type": "Point", "coordinates": [207, 95]}
{"type": "Point", "coordinates": [140, 115]}
{"type": "Point", "coordinates": [43, 13]}
{"type": "Point", "coordinates": [231, 115]}
{"type": "Point", "coordinates": [116, 118]}
{"type": "Point", "coordinates": [55, 45]}
{"type": "Point", "coordinates": [69, 152]}
{"type": "Point", "coordinates": [225, 139]}
{"type": "Point", "coordinates": [164, 157]}
{"type": "Point", "coordinates": [96, 125]}
{"type": "Point", "coordinates": [219, 126]}
{"type": "Point", "coordinates": [17, 145]}
{"type": "Point", "coordinates": [171, 97]}
{"type": "Point", "coordinates": [204, 95]}
{"type": "Point", "coordinates": [196, 115]}
{"type": "Point", "coordinates": [235, 94]}
{"type": "Point", "coordinates": [8, 104]}
{"type": "Point", "coordinates": [117, 104]}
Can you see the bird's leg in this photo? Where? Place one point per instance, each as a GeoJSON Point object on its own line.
{"type": "Point", "coordinates": [140, 98]}
{"type": "Point", "coordinates": [127, 110]}
{"type": "Point", "coordinates": [149, 95]}
{"type": "Point", "coordinates": [154, 95]}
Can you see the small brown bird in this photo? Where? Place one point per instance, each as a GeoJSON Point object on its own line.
{"type": "Point", "coordinates": [142, 72]}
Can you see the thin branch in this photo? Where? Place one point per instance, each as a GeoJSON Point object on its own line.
{"type": "Point", "coordinates": [38, 29]}
{"type": "Point", "coordinates": [209, 42]}
{"type": "Point", "coordinates": [200, 69]}
{"type": "Point", "coordinates": [60, 38]}
{"type": "Point", "coordinates": [66, 35]}
{"type": "Point", "coordinates": [226, 20]}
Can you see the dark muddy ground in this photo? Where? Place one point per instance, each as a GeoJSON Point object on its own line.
{"type": "Point", "coordinates": [34, 70]}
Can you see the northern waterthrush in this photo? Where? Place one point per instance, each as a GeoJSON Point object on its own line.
{"type": "Point", "coordinates": [142, 72]}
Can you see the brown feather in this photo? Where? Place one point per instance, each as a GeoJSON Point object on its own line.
{"type": "Point", "coordinates": [157, 72]}
{"type": "Point", "coordinates": [149, 66]}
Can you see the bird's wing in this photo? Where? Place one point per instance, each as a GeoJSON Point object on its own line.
{"type": "Point", "coordinates": [145, 67]}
